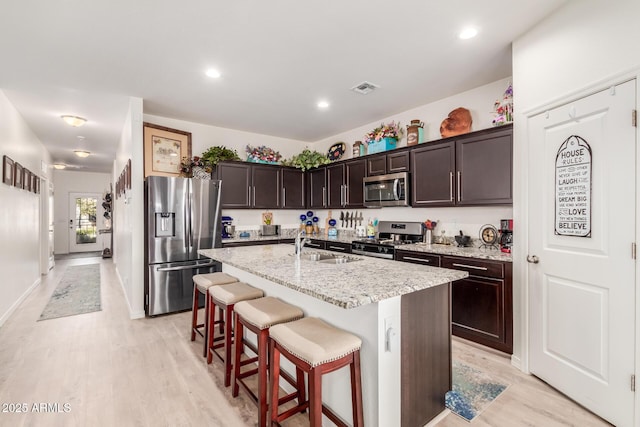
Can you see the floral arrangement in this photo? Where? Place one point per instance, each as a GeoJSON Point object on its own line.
{"type": "Point", "coordinates": [188, 163]}
{"type": "Point", "coordinates": [503, 109]}
{"type": "Point", "coordinates": [263, 153]}
{"type": "Point", "coordinates": [391, 130]}
{"type": "Point", "coordinates": [430, 225]}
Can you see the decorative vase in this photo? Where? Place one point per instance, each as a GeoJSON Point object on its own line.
{"type": "Point", "coordinates": [198, 172]}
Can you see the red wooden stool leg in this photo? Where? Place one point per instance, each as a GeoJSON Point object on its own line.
{"type": "Point", "coordinates": [239, 333]}
{"type": "Point", "coordinates": [194, 313]}
{"type": "Point", "coordinates": [356, 390]}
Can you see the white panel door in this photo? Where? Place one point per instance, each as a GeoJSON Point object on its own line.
{"type": "Point", "coordinates": [581, 271]}
{"type": "Point", "coordinates": [84, 213]}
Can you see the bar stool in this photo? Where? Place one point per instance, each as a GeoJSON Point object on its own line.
{"type": "Point", "coordinates": [258, 316]}
{"type": "Point", "coordinates": [317, 348]}
{"type": "Point", "coordinates": [201, 284]}
{"type": "Point", "coordinates": [225, 297]}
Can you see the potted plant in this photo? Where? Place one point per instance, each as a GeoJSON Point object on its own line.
{"type": "Point", "coordinates": [262, 154]}
{"type": "Point", "coordinates": [218, 153]}
{"type": "Point", "coordinates": [307, 159]}
{"type": "Point", "coordinates": [383, 138]}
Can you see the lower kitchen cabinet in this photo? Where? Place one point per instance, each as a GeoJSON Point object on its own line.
{"type": "Point", "coordinates": [418, 258]}
{"type": "Point", "coordinates": [316, 244]}
{"type": "Point", "coordinates": [482, 304]}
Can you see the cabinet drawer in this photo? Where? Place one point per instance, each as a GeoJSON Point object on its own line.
{"type": "Point", "coordinates": [317, 244]}
{"type": "Point", "coordinates": [475, 267]}
{"type": "Point", "coordinates": [418, 258]}
{"type": "Point", "coordinates": [338, 247]}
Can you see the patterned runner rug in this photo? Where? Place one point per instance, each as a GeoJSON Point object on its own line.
{"type": "Point", "coordinates": [473, 391]}
{"type": "Point", "coordinates": [78, 292]}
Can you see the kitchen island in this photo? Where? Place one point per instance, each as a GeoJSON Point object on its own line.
{"type": "Point", "coordinates": [400, 311]}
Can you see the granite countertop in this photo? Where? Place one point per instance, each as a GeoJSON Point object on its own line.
{"type": "Point", "coordinates": [453, 250]}
{"type": "Point", "coordinates": [353, 284]}
{"type": "Point", "coordinates": [290, 233]}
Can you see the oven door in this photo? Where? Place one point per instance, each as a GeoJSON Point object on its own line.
{"type": "Point", "coordinates": [386, 190]}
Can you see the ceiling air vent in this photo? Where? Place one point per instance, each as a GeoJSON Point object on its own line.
{"type": "Point", "coordinates": [364, 88]}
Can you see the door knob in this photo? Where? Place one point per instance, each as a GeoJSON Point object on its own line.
{"type": "Point", "coordinates": [532, 259]}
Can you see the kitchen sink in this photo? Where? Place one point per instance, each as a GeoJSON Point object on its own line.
{"type": "Point", "coordinates": [328, 258]}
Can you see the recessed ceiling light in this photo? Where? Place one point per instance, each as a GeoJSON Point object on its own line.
{"type": "Point", "coordinates": [323, 104]}
{"type": "Point", "coordinates": [213, 73]}
{"type": "Point", "coordinates": [59, 166]}
{"type": "Point", "coordinates": [74, 121]}
{"type": "Point", "coordinates": [81, 153]}
{"type": "Point", "coordinates": [468, 33]}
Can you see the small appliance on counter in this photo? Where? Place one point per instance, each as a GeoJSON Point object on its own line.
{"type": "Point", "coordinates": [228, 229]}
{"type": "Point", "coordinates": [506, 235]}
{"type": "Point", "coordinates": [269, 230]}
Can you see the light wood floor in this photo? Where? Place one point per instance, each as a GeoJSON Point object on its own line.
{"type": "Point", "coordinates": [113, 371]}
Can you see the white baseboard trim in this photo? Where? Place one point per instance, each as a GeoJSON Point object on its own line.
{"type": "Point", "coordinates": [19, 301]}
{"type": "Point", "coordinates": [516, 363]}
{"type": "Point", "coordinates": [132, 314]}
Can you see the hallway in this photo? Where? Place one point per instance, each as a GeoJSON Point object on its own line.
{"type": "Point", "coordinates": [113, 371]}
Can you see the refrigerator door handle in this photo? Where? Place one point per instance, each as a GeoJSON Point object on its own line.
{"type": "Point", "coordinates": [186, 267]}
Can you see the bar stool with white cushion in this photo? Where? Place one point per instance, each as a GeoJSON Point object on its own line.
{"type": "Point", "coordinates": [317, 348]}
{"type": "Point", "coordinates": [201, 284]}
{"type": "Point", "coordinates": [225, 297]}
{"type": "Point", "coordinates": [258, 316]}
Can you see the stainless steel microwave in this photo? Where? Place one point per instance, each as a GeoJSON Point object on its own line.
{"type": "Point", "coordinates": [386, 190]}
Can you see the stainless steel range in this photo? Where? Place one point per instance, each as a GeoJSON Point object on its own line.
{"type": "Point", "coordinates": [390, 235]}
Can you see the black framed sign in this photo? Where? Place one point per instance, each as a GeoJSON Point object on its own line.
{"type": "Point", "coordinates": [573, 188]}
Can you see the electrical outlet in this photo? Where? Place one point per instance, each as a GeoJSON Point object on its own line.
{"type": "Point", "coordinates": [391, 334]}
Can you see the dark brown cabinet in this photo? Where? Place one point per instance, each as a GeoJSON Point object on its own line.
{"type": "Point", "coordinates": [316, 244]}
{"type": "Point", "coordinates": [316, 188]}
{"type": "Point", "coordinates": [484, 169]}
{"type": "Point", "coordinates": [481, 304]}
{"type": "Point", "coordinates": [292, 193]}
{"type": "Point", "coordinates": [343, 186]}
{"type": "Point", "coordinates": [473, 169]}
{"type": "Point", "coordinates": [246, 185]}
{"type": "Point", "coordinates": [432, 175]}
{"type": "Point", "coordinates": [338, 246]}
{"type": "Point", "coordinates": [382, 164]}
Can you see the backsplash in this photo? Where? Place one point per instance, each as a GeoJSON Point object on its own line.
{"type": "Point", "coordinates": [450, 220]}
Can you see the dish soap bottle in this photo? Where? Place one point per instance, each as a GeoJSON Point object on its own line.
{"type": "Point", "coordinates": [333, 231]}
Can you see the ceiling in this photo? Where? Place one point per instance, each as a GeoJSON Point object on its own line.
{"type": "Point", "coordinates": [277, 59]}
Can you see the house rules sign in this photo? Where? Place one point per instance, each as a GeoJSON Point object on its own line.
{"type": "Point", "coordinates": [573, 188]}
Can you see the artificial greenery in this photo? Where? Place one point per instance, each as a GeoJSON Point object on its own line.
{"type": "Point", "coordinates": [307, 159]}
{"type": "Point", "coordinates": [218, 153]}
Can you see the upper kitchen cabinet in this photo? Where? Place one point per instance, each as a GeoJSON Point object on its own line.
{"type": "Point", "coordinates": [472, 169]}
{"type": "Point", "coordinates": [344, 184]}
{"type": "Point", "coordinates": [246, 185]}
{"type": "Point", "coordinates": [316, 188]}
{"type": "Point", "coordinates": [485, 169]}
{"type": "Point", "coordinates": [432, 175]}
{"type": "Point", "coordinates": [292, 194]}
{"type": "Point", "coordinates": [393, 162]}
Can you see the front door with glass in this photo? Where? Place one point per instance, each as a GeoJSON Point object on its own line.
{"type": "Point", "coordinates": [84, 213]}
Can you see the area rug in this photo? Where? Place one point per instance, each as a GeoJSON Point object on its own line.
{"type": "Point", "coordinates": [473, 391]}
{"type": "Point", "coordinates": [78, 292]}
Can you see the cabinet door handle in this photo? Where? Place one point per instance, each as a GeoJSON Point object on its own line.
{"type": "Point", "coordinates": [284, 197]}
{"type": "Point", "coordinates": [249, 195]}
{"type": "Point", "coordinates": [313, 245]}
{"type": "Point", "coordinates": [254, 196]}
{"type": "Point", "coordinates": [324, 196]}
{"type": "Point", "coordinates": [459, 184]}
{"type": "Point", "coordinates": [451, 186]}
{"type": "Point", "coordinates": [426, 261]}
{"type": "Point", "coordinates": [337, 248]}
{"type": "Point", "coordinates": [473, 267]}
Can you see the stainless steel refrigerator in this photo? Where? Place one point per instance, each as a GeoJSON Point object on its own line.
{"type": "Point", "coordinates": [182, 215]}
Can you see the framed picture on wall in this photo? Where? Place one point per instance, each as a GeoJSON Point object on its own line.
{"type": "Point", "coordinates": [164, 149]}
{"type": "Point", "coordinates": [36, 184]}
{"type": "Point", "coordinates": [26, 179]}
{"type": "Point", "coordinates": [7, 170]}
{"type": "Point", "coordinates": [129, 174]}
{"type": "Point", "coordinates": [18, 175]}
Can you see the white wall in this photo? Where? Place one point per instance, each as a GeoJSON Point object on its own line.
{"type": "Point", "coordinates": [20, 231]}
{"type": "Point", "coordinates": [70, 181]}
{"type": "Point", "coordinates": [583, 43]}
{"type": "Point", "coordinates": [205, 136]}
{"type": "Point", "coordinates": [128, 212]}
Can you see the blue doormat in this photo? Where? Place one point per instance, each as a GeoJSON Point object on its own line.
{"type": "Point", "coordinates": [473, 391]}
{"type": "Point", "coordinates": [78, 292]}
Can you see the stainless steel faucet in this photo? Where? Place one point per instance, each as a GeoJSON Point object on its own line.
{"type": "Point", "coordinates": [299, 244]}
